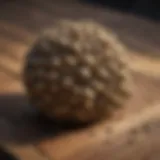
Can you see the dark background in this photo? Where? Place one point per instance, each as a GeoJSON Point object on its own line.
{"type": "Point", "coordinates": [146, 8]}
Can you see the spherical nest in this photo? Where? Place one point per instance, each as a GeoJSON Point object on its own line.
{"type": "Point", "coordinates": [77, 71]}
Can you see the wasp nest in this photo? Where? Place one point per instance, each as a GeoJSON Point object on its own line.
{"type": "Point", "coordinates": [77, 71]}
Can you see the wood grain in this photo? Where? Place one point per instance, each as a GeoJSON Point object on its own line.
{"type": "Point", "coordinates": [132, 133]}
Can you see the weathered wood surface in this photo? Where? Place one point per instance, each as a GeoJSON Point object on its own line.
{"type": "Point", "coordinates": [132, 133]}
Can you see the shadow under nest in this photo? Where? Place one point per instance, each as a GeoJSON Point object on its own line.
{"type": "Point", "coordinates": [20, 123]}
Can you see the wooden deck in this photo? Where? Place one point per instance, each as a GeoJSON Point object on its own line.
{"type": "Point", "coordinates": [131, 134]}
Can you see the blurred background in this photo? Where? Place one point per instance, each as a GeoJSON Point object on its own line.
{"type": "Point", "coordinates": [145, 8]}
{"type": "Point", "coordinates": [136, 22]}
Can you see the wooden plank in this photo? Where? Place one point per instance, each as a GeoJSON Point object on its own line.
{"type": "Point", "coordinates": [26, 153]}
{"type": "Point", "coordinates": [136, 137]}
{"type": "Point", "coordinates": [145, 65]}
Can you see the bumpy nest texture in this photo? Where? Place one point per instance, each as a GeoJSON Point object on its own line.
{"type": "Point", "coordinates": [77, 71]}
